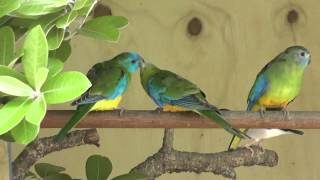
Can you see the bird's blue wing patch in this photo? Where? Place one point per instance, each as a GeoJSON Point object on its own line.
{"type": "Point", "coordinates": [258, 89]}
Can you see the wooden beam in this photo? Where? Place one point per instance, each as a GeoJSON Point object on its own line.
{"type": "Point", "coordinates": [153, 119]}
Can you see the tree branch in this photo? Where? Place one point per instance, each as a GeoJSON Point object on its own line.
{"type": "Point", "coordinates": [43, 146]}
{"type": "Point", "coordinates": [169, 160]}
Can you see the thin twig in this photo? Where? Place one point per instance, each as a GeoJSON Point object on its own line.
{"type": "Point", "coordinates": [43, 146]}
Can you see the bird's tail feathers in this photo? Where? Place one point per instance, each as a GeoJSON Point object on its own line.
{"type": "Point", "coordinates": [81, 111]}
{"type": "Point", "coordinates": [293, 131]}
{"type": "Point", "coordinates": [215, 117]}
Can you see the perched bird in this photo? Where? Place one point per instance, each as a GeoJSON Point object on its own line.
{"type": "Point", "coordinates": [109, 81]}
{"type": "Point", "coordinates": [276, 85]}
{"type": "Point", "coordinates": [172, 92]}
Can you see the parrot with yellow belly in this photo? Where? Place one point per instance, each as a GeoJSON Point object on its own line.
{"type": "Point", "coordinates": [109, 81]}
{"type": "Point", "coordinates": [276, 85]}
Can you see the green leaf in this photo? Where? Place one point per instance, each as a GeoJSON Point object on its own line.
{"type": "Point", "coordinates": [55, 37]}
{"type": "Point", "coordinates": [4, 19]}
{"type": "Point", "coordinates": [41, 77]}
{"type": "Point", "coordinates": [65, 87]}
{"type": "Point", "coordinates": [14, 87]}
{"type": "Point", "coordinates": [87, 8]}
{"type": "Point", "coordinates": [12, 113]}
{"type": "Point", "coordinates": [46, 169]}
{"type": "Point", "coordinates": [62, 53]}
{"type": "Point", "coordinates": [104, 27]}
{"type": "Point", "coordinates": [25, 132]}
{"type": "Point", "coordinates": [66, 20]}
{"type": "Point", "coordinates": [55, 66]}
{"type": "Point", "coordinates": [8, 6]}
{"type": "Point", "coordinates": [17, 55]}
{"type": "Point", "coordinates": [131, 176]}
{"type": "Point", "coordinates": [98, 167]}
{"type": "Point", "coordinates": [37, 111]}
{"type": "Point", "coordinates": [35, 54]}
{"type": "Point", "coordinates": [6, 45]}
{"type": "Point", "coordinates": [47, 22]}
{"type": "Point", "coordinates": [39, 7]}
{"type": "Point", "coordinates": [6, 71]}
{"type": "Point", "coordinates": [61, 176]}
{"type": "Point", "coordinates": [79, 4]}
{"type": "Point", "coordinates": [30, 174]}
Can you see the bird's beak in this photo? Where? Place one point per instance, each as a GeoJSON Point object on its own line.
{"type": "Point", "coordinates": [142, 63]}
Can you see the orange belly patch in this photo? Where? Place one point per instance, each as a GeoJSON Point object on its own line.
{"type": "Point", "coordinates": [170, 108]}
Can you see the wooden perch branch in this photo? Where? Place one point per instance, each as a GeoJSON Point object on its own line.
{"type": "Point", "coordinates": [43, 146]}
{"type": "Point", "coordinates": [153, 119]}
{"type": "Point", "coordinates": [169, 160]}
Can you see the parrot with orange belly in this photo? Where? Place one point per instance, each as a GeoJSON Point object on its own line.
{"type": "Point", "coordinates": [172, 92]}
{"type": "Point", "coordinates": [276, 85]}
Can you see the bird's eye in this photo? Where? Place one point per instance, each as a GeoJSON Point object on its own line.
{"type": "Point", "coordinates": [133, 61]}
{"type": "Point", "coordinates": [302, 54]}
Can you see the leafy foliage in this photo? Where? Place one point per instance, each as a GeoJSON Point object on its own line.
{"type": "Point", "coordinates": [44, 28]}
{"type": "Point", "coordinates": [97, 168]}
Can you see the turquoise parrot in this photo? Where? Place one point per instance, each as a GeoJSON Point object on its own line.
{"type": "Point", "coordinates": [172, 92]}
{"type": "Point", "coordinates": [276, 85]}
{"type": "Point", "coordinates": [109, 81]}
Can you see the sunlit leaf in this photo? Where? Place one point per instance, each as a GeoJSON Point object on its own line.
{"type": "Point", "coordinates": [54, 38]}
{"type": "Point", "coordinates": [14, 87]}
{"type": "Point", "coordinates": [42, 75]}
{"type": "Point", "coordinates": [6, 71]}
{"type": "Point", "coordinates": [6, 6]}
{"type": "Point", "coordinates": [37, 111]}
{"type": "Point", "coordinates": [79, 4]}
{"type": "Point", "coordinates": [47, 22]}
{"type": "Point", "coordinates": [12, 113]}
{"type": "Point", "coordinates": [39, 7]}
{"type": "Point", "coordinates": [87, 8]}
{"type": "Point", "coordinates": [6, 45]}
{"type": "Point", "coordinates": [35, 54]}
{"type": "Point", "coordinates": [46, 169]}
{"type": "Point", "coordinates": [104, 27]}
{"type": "Point", "coordinates": [55, 66]}
{"type": "Point", "coordinates": [98, 167]}
{"type": "Point", "coordinates": [65, 87]}
{"type": "Point", "coordinates": [24, 132]}
{"type": "Point", "coordinates": [66, 20]}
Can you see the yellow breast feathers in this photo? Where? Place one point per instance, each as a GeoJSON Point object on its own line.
{"type": "Point", "coordinates": [108, 104]}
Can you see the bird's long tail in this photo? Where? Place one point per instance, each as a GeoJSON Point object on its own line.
{"type": "Point", "coordinates": [235, 141]}
{"type": "Point", "coordinates": [215, 117]}
{"type": "Point", "coordinates": [81, 111]}
{"type": "Point", "coordinates": [293, 131]}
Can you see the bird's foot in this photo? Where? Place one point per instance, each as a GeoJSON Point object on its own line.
{"type": "Point", "coordinates": [159, 110]}
{"type": "Point", "coordinates": [250, 149]}
{"type": "Point", "coordinates": [285, 113]}
{"type": "Point", "coordinates": [253, 143]}
{"type": "Point", "coordinates": [121, 110]}
{"type": "Point", "coordinates": [262, 112]}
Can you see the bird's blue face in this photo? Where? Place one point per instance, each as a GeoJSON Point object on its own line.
{"type": "Point", "coordinates": [131, 61]}
{"type": "Point", "coordinates": [300, 55]}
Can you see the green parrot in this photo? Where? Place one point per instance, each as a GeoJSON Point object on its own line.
{"type": "Point", "coordinates": [276, 85]}
{"type": "Point", "coordinates": [109, 81]}
{"type": "Point", "coordinates": [172, 92]}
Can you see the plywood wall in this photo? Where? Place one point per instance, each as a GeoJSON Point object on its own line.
{"type": "Point", "coordinates": [235, 41]}
{"type": "Point", "coordinates": [4, 163]}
